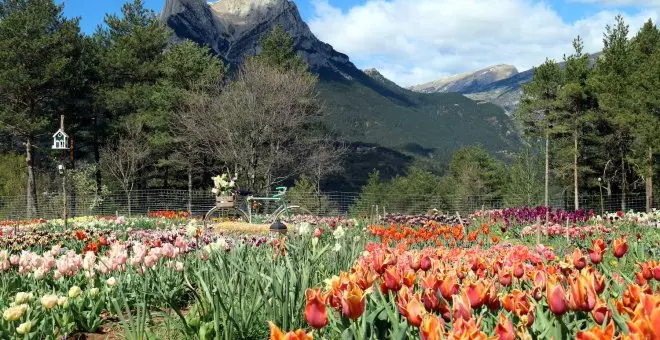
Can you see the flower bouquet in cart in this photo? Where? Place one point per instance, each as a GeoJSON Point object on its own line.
{"type": "Point", "coordinates": [223, 189]}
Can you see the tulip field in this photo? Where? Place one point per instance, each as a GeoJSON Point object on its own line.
{"type": "Point", "coordinates": [500, 274]}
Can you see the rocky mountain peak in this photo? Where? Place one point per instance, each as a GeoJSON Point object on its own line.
{"type": "Point", "coordinates": [466, 81]}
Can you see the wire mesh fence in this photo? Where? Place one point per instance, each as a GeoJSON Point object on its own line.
{"type": "Point", "coordinates": [140, 203]}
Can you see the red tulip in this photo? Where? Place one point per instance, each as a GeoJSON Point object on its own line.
{"type": "Point", "coordinates": [316, 314]}
{"type": "Point", "coordinates": [505, 276]}
{"type": "Point", "coordinates": [392, 278]}
{"type": "Point", "coordinates": [518, 270]}
{"type": "Point", "coordinates": [431, 300]}
{"type": "Point", "coordinates": [461, 307]}
{"type": "Point", "coordinates": [578, 259]}
{"type": "Point", "coordinates": [556, 296]}
{"type": "Point", "coordinates": [477, 293]}
{"type": "Point", "coordinates": [620, 247]}
{"type": "Point", "coordinates": [597, 251]}
{"type": "Point", "coordinates": [425, 263]}
{"type": "Point", "coordinates": [600, 312]}
{"type": "Point", "coordinates": [504, 329]}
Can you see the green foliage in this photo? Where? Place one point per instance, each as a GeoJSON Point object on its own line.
{"type": "Point", "coordinates": [277, 50]}
{"type": "Point", "coordinates": [474, 178]}
{"type": "Point", "coordinates": [40, 65]}
{"type": "Point", "coordinates": [305, 194]}
{"type": "Point", "coordinates": [525, 180]}
{"type": "Point", "coordinates": [12, 174]}
{"type": "Point", "coordinates": [473, 172]}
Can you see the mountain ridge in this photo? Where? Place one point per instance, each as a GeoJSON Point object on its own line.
{"type": "Point", "coordinates": [363, 107]}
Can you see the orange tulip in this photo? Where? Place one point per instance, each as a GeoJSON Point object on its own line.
{"type": "Point", "coordinates": [469, 329]}
{"type": "Point", "coordinates": [656, 271]}
{"type": "Point", "coordinates": [277, 334]}
{"type": "Point", "coordinates": [409, 278]}
{"type": "Point", "coordinates": [620, 247]}
{"type": "Point", "coordinates": [597, 333]}
{"type": "Point", "coordinates": [504, 329]}
{"type": "Point", "coordinates": [448, 286]}
{"type": "Point", "coordinates": [353, 301]}
{"type": "Point", "coordinates": [579, 261]}
{"type": "Point", "coordinates": [431, 328]}
{"type": "Point", "coordinates": [597, 251]}
{"type": "Point", "coordinates": [316, 314]}
{"type": "Point", "coordinates": [410, 307]}
{"type": "Point", "coordinates": [461, 307]}
{"type": "Point", "coordinates": [415, 261]}
{"type": "Point", "coordinates": [556, 296]}
{"type": "Point", "coordinates": [477, 293]}
{"type": "Point", "coordinates": [392, 278]}
{"type": "Point", "coordinates": [539, 278]}
{"type": "Point", "coordinates": [582, 294]}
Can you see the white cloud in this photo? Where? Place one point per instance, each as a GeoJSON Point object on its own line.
{"type": "Point", "coordinates": [646, 3]}
{"type": "Point", "coordinates": [414, 41]}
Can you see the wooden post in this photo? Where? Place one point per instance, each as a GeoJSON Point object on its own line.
{"type": "Point", "coordinates": [64, 156]}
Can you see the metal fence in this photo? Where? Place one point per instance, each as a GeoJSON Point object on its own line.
{"type": "Point", "coordinates": [326, 204]}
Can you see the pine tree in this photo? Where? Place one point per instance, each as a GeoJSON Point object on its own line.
{"type": "Point", "coordinates": [644, 85]}
{"type": "Point", "coordinates": [611, 82]}
{"type": "Point", "coordinates": [40, 71]}
{"type": "Point", "coordinates": [277, 50]}
{"type": "Point", "coordinates": [576, 105]}
{"type": "Point", "coordinates": [539, 110]}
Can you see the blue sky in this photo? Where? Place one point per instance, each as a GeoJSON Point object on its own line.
{"type": "Point", "coordinates": [413, 41]}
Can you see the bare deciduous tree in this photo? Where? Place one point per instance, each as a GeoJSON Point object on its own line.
{"type": "Point", "coordinates": [261, 123]}
{"type": "Point", "coordinates": [126, 158]}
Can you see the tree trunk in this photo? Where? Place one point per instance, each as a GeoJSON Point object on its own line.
{"type": "Point", "coordinates": [128, 201]}
{"type": "Point", "coordinates": [31, 184]}
{"type": "Point", "coordinates": [623, 184]}
{"type": "Point", "coordinates": [649, 181]}
{"type": "Point", "coordinates": [547, 177]}
{"type": "Point", "coordinates": [190, 186]}
{"type": "Point", "coordinates": [97, 160]}
{"type": "Point", "coordinates": [575, 168]}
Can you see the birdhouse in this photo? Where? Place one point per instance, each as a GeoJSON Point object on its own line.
{"type": "Point", "coordinates": [60, 140]}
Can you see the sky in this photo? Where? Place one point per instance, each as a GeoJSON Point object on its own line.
{"type": "Point", "coordinates": [416, 41]}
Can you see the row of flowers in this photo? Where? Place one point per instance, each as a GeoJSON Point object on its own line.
{"type": "Point", "coordinates": [442, 292]}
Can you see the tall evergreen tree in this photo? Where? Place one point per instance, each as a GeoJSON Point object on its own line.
{"type": "Point", "coordinates": [576, 102]}
{"type": "Point", "coordinates": [539, 110]}
{"type": "Point", "coordinates": [645, 118]}
{"type": "Point", "coordinates": [131, 50]}
{"type": "Point", "coordinates": [40, 73]}
{"type": "Point", "coordinates": [611, 82]}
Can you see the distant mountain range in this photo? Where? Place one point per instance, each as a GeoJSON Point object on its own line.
{"type": "Point", "coordinates": [363, 107]}
{"type": "Point", "coordinates": [499, 84]}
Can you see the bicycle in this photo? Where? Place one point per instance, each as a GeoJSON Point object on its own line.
{"type": "Point", "coordinates": [284, 209]}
